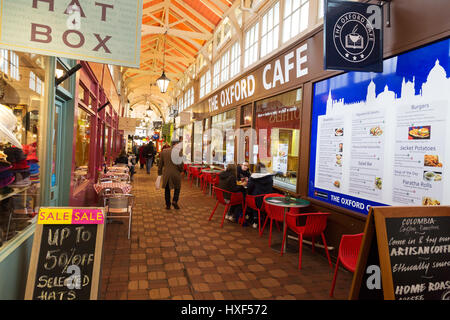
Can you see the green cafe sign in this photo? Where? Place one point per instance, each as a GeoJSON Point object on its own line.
{"type": "Point", "coordinates": [104, 31]}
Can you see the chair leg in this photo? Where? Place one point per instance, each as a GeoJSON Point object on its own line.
{"type": "Point", "coordinates": [264, 226]}
{"type": "Point", "coordinates": [333, 283]}
{"type": "Point", "coordinates": [312, 244]}
{"type": "Point", "coordinates": [326, 250]}
{"type": "Point", "coordinates": [270, 233]}
{"type": "Point", "coordinates": [300, 248]}
{"type": "Point", "coordinates": [214, 210]}
{"type": "Point", "coordinates": [259, 222]}
{"type": "Point", "coordinates": [224, 213]}
{"type": "Point", "coordinates": [243, 215]}
{"type": "Point", "coordinates": [129, 226]}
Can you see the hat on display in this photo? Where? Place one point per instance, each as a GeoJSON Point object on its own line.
{"type": "Point", "coordinates": [6, 182]}
{"type": "Point", "coordinates": [34, 167]}
{"type": "Point", "coordinates": [21, 165]}
{"type": "Point", "coordinates": [30, 152]}
{"type": "Point", "coordinates": [22, 180]}
{"type": "Point", "coordinates": [14, 154]}
{"type": "Point", "coordinates": [5, 165]}
{"type": "Point", "coordinates": [8, 123]}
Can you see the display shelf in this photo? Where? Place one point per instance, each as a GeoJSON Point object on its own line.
{"type": "Point", "coordinates": [14, 192]}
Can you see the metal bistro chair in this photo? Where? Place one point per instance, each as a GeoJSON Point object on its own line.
{"type": "Point", "coordinates": [120, 206]}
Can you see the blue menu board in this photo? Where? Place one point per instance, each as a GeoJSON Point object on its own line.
{"type": "Point", "coordinates": [383, 138]}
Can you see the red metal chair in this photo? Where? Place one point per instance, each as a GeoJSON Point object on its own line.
{"type": "Point", "coordinates": [214, 181]}
{"type": "Point", "coordinates": [348, 254]}
{"type": "Point", "coordinates": [194, 174]}
{"type": "Point", "coordinates": [250, 202]}
{"type": "Point", "coordinates": [273, 213]}
{"type": "Point", "coordinates": [235, 199]}
{"type": "Point", "coordinates": [316, 223]}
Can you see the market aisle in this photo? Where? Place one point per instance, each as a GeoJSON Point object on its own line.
{"type": "Point", "coordinates": [179, 254]}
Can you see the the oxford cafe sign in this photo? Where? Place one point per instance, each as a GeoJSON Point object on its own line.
{"type": "Point", "coordinates": [289, 69]}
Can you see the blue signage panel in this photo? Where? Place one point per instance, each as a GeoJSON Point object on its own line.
{"type": "Point", "coordinates": [383, 138]}
{"type": "Point", "coordinates": [353, 36]}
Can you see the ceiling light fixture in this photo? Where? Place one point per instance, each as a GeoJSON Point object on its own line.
{"type": "Point", "coordinates": [163, 81]}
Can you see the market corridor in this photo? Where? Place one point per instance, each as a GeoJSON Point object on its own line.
{"type": "Point", "coordinates": [179, 254]}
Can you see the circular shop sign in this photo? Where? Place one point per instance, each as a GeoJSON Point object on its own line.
{"type": "Point", "coordinates": [354, 37]}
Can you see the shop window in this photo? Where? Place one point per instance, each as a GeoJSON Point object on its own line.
{"type": "Point", "coordinates": [251, 45]}
{"type": "Point", "coordinates": [21, 104]}
{"type": "Point", "coordinates": [235, 64]}
{"type": "Point", "coordinates": [295, 18]}
{"type": "Point", "coordinates": [187, 140]}
{"type": "Point", "coordinates": [270, 30]}
{"type": "Point", "coordinates": [207, 141]}
{"type": "Point", "coordinates": [278, 128]}
{"type": "Point", "coordinates": [59, 72]}
{"type": "Point", "coordinates": [4, 61]}
{"type": "Point", "coordinates": [198, 133]}
{"type": "Point", "coordinates": [205, 84]}
{"type": "Point", "coordinates": [14, 63]}
{"type": "Point", "coordinates": [216, 76]}
{"type": "Point", "coordinates": [225, 64]}
{"type": "Point", "coordinates": [222, 137]}
{"type": "Point", "coordinates": [246, 115]}
{"type": "Point", "coordinates": [83, 140]}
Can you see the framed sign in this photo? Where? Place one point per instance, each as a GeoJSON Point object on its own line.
{"type": "Point", "coordinates": [66, 255]}
{"type": "Point", "coordinates": [404, 255]}
{"type": "Point", "coordinates": [379, 139]}
{"type": "Point", "coordinates": [353, 36]}
{"type": "Point", "coordinates": [108, 33]}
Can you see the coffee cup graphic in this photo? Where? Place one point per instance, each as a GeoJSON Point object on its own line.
{"type": "Point", "coordinates": [354, 40]}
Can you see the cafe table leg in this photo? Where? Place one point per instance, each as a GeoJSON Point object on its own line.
{"type": "Point", "coordinates": [284, 230]}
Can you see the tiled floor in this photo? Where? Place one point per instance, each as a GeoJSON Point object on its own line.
{"type": "Point", "coordinates": [179, 254]}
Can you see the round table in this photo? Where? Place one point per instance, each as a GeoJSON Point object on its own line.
{"type": "Point", "coordinates": [281, 202]}
{"type": "Point", "coordinates": [126, 188]}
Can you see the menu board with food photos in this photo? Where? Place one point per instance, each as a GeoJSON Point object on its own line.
{"type": "Point", "coordinates": [383, 139]}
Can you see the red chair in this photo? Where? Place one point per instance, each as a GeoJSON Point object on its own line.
{"type": "Point", "coordinates": [316, 223]}
{"type": "Point", "coordinates": [214, 181]}
{"type": "Point", "coordinates": [235, 199]}
{"type": "Point", "coordinates": [195, 173]}
{"type": "Point", "coordinates": [250, 202]}
{"type": "Point", "coordinates": [273, 213]}
{"type": "Point", "coordinates": [348, 254]}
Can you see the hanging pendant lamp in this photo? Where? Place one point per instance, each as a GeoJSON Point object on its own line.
{"type": "Point", "coordinates": [163, 81]}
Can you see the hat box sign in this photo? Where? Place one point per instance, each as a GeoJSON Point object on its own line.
{"type": "Point", "coordinates": [353, 36]}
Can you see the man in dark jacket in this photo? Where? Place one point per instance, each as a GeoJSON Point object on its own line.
{"type": "Point", "coordinates": [171, 175]}
{"type": "Point", "coordinates": [149, 155]}
{"type": "Point", "coordinates": [260, 182]}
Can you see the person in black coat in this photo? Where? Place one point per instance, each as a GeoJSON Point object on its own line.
{"type": "Point", "coordinates": [228, 182]}
{"type": "Point", "coordinates": [260, 182]}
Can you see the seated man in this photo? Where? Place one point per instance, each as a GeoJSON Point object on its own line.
{"type": "Point", "coordinates": [260, 182]}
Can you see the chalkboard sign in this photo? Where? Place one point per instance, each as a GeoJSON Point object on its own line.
{"type": "Point", "coordinates": [413, 250]}
{"type": "Point", "coordinates": [66, 255]}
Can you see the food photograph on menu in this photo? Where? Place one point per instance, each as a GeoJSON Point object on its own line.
{"type": "Point", "coordinates": [422, 132]}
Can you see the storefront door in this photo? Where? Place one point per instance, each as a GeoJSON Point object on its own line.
{"type": "Point", "coordinates": [56, 154]}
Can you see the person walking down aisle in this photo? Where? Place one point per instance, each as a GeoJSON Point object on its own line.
{"type": "Point", "coordinates": [149, 155]}
{"type": "Point", "coordinates": [171, 175]}
{"type": "Point", "coordinates": [141, 156]}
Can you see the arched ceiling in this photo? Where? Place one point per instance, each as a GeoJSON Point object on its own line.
{"type": "Point", "coordinates": [184, 26]}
